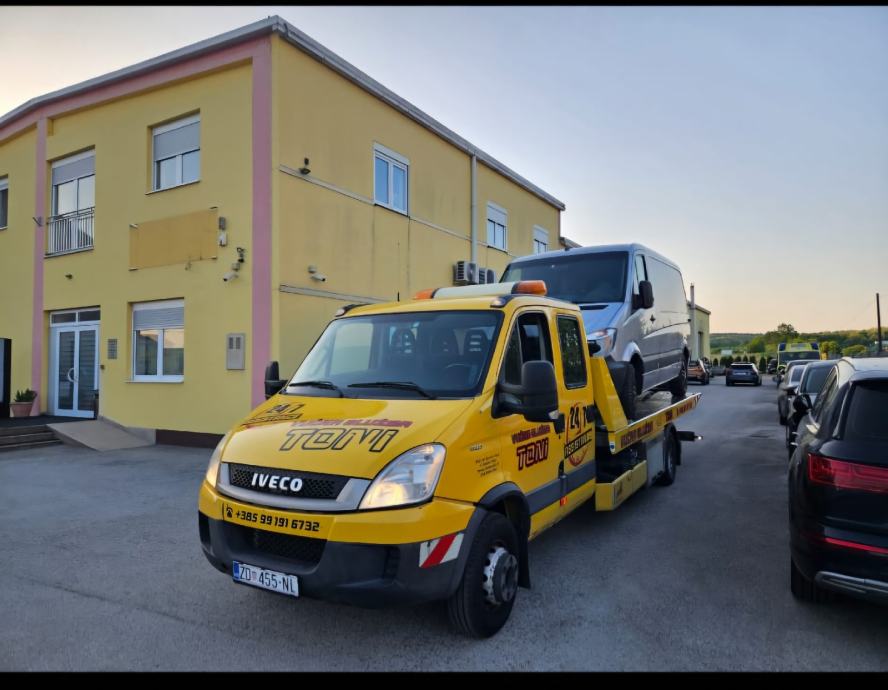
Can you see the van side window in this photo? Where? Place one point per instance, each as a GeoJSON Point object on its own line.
{"type": "Point", "coordinates": [571, 341]}
{"type": "Point", "coordinates": [528, 342]}
{"type": "Point", "coordinates": [668, 287]}
{"type": "Point", "coordinates": [826, 396]}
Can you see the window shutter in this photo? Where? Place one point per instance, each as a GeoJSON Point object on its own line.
{"type": "Point", "coordinates": [63, 171]}
{"type": "Point", "coordinates": [176, 141]}
{"type": "Point", "coordinates": [496, 215]}
{"type": "Point", "coordinates": [163, 317]}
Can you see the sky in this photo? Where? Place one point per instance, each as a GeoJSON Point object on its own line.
{"type": "Point", "coordinates": [747, 144]}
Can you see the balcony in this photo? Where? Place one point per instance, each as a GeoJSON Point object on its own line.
{"type": "Point", "coordinates": [70, 232]}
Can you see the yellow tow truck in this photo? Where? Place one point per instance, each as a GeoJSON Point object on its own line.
{"type": "Point", "coordinates": [421, 445]}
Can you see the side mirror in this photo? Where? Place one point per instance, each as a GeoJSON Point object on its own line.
{"type": "Point", "coordinates": [537, 395]}
{"type": "Point", "coordinates": [273, 381]}
{"type": "Point", "coordinates": [646, 294]}
{"type": "Point", "coordinates": [790, 391]}
{"type": "Point", "coordinates": [801, 404]}
{"type": "Point", "coordinates": [594, 347]}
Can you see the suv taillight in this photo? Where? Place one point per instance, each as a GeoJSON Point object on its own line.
{"type": "Point", "coordinates": [840, 474]}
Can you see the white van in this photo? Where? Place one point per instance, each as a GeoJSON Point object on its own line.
{"type": "Point", "coordinates": [634, 311]}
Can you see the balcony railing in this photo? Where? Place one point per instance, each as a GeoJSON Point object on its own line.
{"type": "Point", "coordinates": [70, 232]}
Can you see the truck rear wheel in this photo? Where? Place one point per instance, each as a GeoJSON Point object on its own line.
{"type": "Point", "coordinates": [483, 601]}
{"type": "Point", "coordinates": [670, 460]}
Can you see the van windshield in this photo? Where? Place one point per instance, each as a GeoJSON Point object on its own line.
{"type": "Point", "coordinates": [442, 354]}
{"type": "Point", "coordinates": [580, 278]}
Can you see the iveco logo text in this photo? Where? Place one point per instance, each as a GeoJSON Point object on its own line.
{"type": "Point", "coordinates": [272, 481]}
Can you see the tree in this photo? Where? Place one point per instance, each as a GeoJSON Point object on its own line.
{"type": "Point", "coordinates": [763, 363]}
{"type": "Point", "coordinates": [854, 350]}
{"type": "Point", "coordinates": [757, 344]}
{"type": "Point", "coordinates": [787, 332]}
{"type": "Point", "coordinates": [830, 347]}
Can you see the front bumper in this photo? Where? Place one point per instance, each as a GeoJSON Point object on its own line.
{"type": "Point", "coordinates": [382, 570]}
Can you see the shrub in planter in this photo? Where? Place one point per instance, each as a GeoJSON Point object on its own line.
{"type": "Point", "coordinates": [24, 400]}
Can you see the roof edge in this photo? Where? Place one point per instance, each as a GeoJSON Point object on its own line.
{"type": "Point", "coordinates": [297, 38]}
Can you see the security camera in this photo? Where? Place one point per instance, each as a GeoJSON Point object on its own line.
{"type": "Point", "coordinates": [231, 275]}
{"type": "Point", "coordinates": [320, 277]}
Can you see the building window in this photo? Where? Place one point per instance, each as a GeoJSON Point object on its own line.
{"type": "Point", "coordinates": [159, 341]}
{"type": "Point", "coordinates": [176, 153]}
{"type": "Point", "coordinates": [390, 178]}
{"type": "Point", "coordinates": [497, 223]}
{"type": "Point", "coordinates": [4, 201]}
{"type": "Point", "coordinates": [70, 227]}
{"type": "Point", "coordinates": [540, 240]}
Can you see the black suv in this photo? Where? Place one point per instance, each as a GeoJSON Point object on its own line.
{"type": "Point", "coordinates": [838, 485]}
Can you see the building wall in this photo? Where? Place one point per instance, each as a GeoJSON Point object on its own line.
{"type": "Point", "coordinates": [210, 398]}
{"type": "Point", "coordinates": [327, 218]}
{"type": "Point", "coordinates": [17, 164]}
{"type": "Point", "coordinates": [703, 333]}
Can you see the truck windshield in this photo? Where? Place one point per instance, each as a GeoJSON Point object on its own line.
{"type": "Point", "coordinates": [422, 355]}
{"type": "Point", "coordinates": [594, 278]}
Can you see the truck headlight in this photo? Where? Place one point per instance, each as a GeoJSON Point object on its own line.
{"type": "Point", "coordinates": [409, 478]}
{"type": "Point", "coordinates": [606, 338]}
{"type": "Point", "coordinates": [213, 467]}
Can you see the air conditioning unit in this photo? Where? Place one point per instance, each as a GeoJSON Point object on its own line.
{"type": "Point", "coordinates": [491, 275]}
{"type": "Point", "coordinates": [465, 273]}
{"type": "Point", "coordinates": [486, 275]}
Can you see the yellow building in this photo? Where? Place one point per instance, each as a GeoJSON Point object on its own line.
{"type": "Point", "coordinates": [168, 229]}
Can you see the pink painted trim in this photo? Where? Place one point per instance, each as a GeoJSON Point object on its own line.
{"type": "Point", "coordinates": [261, 262]}
{"type": "Point", "coordinates": [127, 87]}
{"type": "Point", "coordinates": [39, 242]}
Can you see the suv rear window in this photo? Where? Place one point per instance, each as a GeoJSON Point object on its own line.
{"type": "Point", "coordinates": [867, 413]}
{"type": "Point", "coordinates": [741, 366]}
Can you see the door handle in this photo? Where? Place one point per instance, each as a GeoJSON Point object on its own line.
{"type": "Point", "coordinates": [68, 375]}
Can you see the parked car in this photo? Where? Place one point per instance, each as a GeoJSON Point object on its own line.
{"type": "Point", "coordinates": [813, 376]}
{"type": "Point", "coordinates": [772, 366]}
{"type": "Point", "coordinates": [698, 372]}
{"type": "Point", "coordinates": [635, 311]}
{"type": "Point", "coordinates": [786, 388]}
{"type": "Point", "coordinates": [742, 373]}
{"type": "Point", "coordinates": [838, 486]}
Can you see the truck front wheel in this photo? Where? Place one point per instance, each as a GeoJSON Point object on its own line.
{"type": "Point", "coordinates": [483, 601]}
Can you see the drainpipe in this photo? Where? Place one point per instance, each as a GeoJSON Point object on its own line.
{"type": "Point", "coordinates": [694, 344]}
{"type": "Point", "coordinates": [474, 225]}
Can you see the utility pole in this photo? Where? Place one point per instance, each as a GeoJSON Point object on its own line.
{"type": "Point", "coordinates": [879, 324]}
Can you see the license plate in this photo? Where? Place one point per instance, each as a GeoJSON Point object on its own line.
{"type": "Point", "coordinates": [266, 579]}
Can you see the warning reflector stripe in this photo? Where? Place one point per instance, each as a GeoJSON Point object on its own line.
{"type": "Point", "coordinates": [441, 550]}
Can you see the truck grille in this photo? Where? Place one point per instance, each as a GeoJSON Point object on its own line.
{"type": "Point", "coordinates": [314, 485]}
{"type": "Point", "coordinates": [303, 550]}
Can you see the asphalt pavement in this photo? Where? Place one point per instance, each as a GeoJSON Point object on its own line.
{"type": "Point", "coordinates": [103, 570]}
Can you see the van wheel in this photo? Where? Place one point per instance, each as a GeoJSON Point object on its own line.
{"type": "Point", "coordinates": [679, 385]}
{"type": "Point", "coordinates": [483, 601]}
{"type": "Point", "coordinates": [670, 457]}
{"type": "Point", "coordinates": [627, 394]}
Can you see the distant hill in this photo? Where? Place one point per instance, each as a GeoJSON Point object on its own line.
{"type": "Point", "coordinates": [729, 341]}
{"type": "Point", "coordinates": [757, 342]}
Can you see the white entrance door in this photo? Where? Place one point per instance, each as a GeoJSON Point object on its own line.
{"type": "Point", "coordinates": [75, 370]}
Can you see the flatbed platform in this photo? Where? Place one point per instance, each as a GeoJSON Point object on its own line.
{"type": "Point", "coordinates": [655, 412]}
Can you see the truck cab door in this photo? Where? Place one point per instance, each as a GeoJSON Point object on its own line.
{"type": "Point", "coordinates": [531, 451]}
{"type": "Point", "coordinates": [577, 444]}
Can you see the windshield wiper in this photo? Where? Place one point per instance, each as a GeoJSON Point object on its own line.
{"type": "Point", "coordinates": [318, 384]}
{"type": "Point", "coordinates": [403, 385]}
